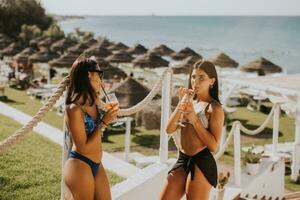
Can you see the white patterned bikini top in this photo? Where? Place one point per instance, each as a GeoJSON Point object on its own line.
{"type": "Point", "coordinates": [200, 111]}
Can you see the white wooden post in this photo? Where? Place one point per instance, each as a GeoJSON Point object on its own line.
{"type": "Point", "coordinates": [223, 136]}
{"type": "Point", "coordinates": [296, 150]}
{"type": "Point", "coordinates": [237, 155]}
{"type": "Point", "coordinates": [165, 113]}
{"type": "Point", "coordinates": [275, 130]}
{"type": "Point", "coordinates": [127, 138]}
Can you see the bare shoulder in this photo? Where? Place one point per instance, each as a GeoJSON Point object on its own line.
{"type": "Point", "coordinates": [216, 108]}
{"type": "Point", "coordinates": [74, 110]}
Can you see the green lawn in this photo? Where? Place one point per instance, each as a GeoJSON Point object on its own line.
{"type": "Point", "coordinates": [32, 168]}
{"type": "Point", "coordinates": [21, 101]}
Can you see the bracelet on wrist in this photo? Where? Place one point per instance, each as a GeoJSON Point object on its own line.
{"type": "Point", "coordinates": [105, 123]}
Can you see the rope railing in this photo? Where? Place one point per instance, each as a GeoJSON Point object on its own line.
{"type": "Point", "coordinates": [21, 133]}
{"type": "Point", "coordinates": [245, 130]}
{"type": "Point", "coordinates": [147, 99]}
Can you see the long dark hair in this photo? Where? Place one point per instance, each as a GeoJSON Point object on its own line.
{"type": "Point", "coordinates": [80, 85]}
{"type": "Point", "coordinates": [210, 69]}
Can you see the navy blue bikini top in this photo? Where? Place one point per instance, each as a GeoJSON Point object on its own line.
{"type": "Point", "coordinates": [90, 123]}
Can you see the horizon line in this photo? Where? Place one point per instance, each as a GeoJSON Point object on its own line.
{"type": "Point", "coordinates": [158, 15]}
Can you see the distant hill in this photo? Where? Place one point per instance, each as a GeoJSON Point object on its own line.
{"type": "Point", "coordinates": [66, 17]}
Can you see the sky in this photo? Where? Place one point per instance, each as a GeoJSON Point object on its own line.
{"type": "Point", "coordinates": [173, 7]}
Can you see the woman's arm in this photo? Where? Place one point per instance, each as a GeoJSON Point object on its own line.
{"type": "Point", "coordinates": [172, 124]}
{"type": "Point", "coordinates": [211, 137]}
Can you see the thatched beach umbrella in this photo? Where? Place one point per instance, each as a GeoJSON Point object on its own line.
{"type": "Point", "coordinates": [224, 61]}
{"type": "Point", "coordinates": [120, 57]}
{"type": "Point", "coordinates": [151, 115]}
{"type": "Point", "coordinates": [162, 50]}
{"type": "Point", "coordinates": [130, 92]}
{"type": "Point", "coordinates": [118, 46]}
{"type": "Point", "coordinates": [98, 51]}
{"type": "Point", "coordinates": [23, 56]}
{"type": "Point", "coordinates": [150, 60]}
{"type": "Point", "coordinates": [184, 53]}
{"type": "Point", "coordinates": [12, 49]}
{"type": "Point", "coordinates": [64, 61]}
{"type": "Point", "coordinates": [91, 42]}
{"type": "Point", "coordinates": [110, 71]}
{"type": "Point", "coordinates": [62, 45]}
{"type": "Point", "coordinates": [137, 49]}
{"type": "Point", "coordinates": [105, 43]}
{"type": "Point", "coordinates": [43, 56]}
{"type": "Point", "coordinates": [261, 65]}
{"type": "Point", "coordinates": [45, 44]}
{"type": "Point", "coordinates": [78, 48]}
{"type": "Point", "coordinates": [34, 42]}
{"type": "Point", "coordinates": [185, 65]}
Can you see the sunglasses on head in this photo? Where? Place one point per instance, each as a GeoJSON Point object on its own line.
{"type": "Point", "coordinates": [100, 72]}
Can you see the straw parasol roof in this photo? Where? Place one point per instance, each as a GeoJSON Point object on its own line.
{"type": "Point", "coordinates": [261, 64]}
{"type": "Point", "coordinates": [65, 60]}
{"type": "Point", "coordinates": [62, 45]}
{"type": "Point", "coordinates": [78, 48]}
{"type": "Point", "coordinates": [12, 49]}
{"type": "Point", "coordinates": [150, 60]}
{"type": "Point", "coordinates": [162, 50]}
{"type": "Point", "coordinates": [118, 46]}
{"type": "Point", "coordinates": [224, 61]}
{"type": "Point", "coordinates": [43, 56]}
{"type": "Point", "coordinates": [119, 57]}
{"type": "Point", "coordinates": [34, 42]}
{"type": "Point", "coordinates": [98, 51]}
{"type": "Point", "coordinates": [45, 44]}
{"type": "Point", "coordinates": [22, 57]}
{"type": "Point", "coordinates": [184, 53]}
{"type": "Point", "coordinates": [130, 92]}
{"type": "Point", "coordinates": [137, 49]}
{"type": "Point", "coordinates": [109, 70]}
{"type": "Point", "coordinates": [105, 43]}
{"type": "Point", "coordinates": [91, 42]}
{"type": "Point", "coordinates": [185, 65]}
{"type": "Point", "coordinates": [151, 115]}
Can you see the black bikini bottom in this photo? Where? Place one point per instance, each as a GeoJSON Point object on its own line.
{"type": "Point", "coordinates": [205, 162]}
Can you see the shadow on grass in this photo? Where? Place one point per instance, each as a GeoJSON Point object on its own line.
{"type": "Point", "coordinates": [152, 141]}
{"type": "Point", "coordinates": [12, 101]}
{"type": "Point", "coordinates": [114, 131]}
{"type": "Point", "coordinates": [121, 130]}
{"type": "Point", "coordinates": [149, 141]}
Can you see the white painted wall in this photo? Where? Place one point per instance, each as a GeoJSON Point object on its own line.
{"type": "Point", "coordinates": [146, 184]}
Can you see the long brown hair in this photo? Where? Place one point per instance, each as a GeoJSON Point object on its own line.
{"type": "Point", "coordinates": [80, 85]}
{"type": "Point", "coordinates": [210, 69]}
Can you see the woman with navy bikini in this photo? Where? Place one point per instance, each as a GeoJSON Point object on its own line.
{"type": "Point", "coordinates": [195, 171]}
{"type": "Point", "coordinates": [83, 173]}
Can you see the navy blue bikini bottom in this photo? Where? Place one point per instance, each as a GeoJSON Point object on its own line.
{"type": "Point", "coordinates": [94, 166]}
